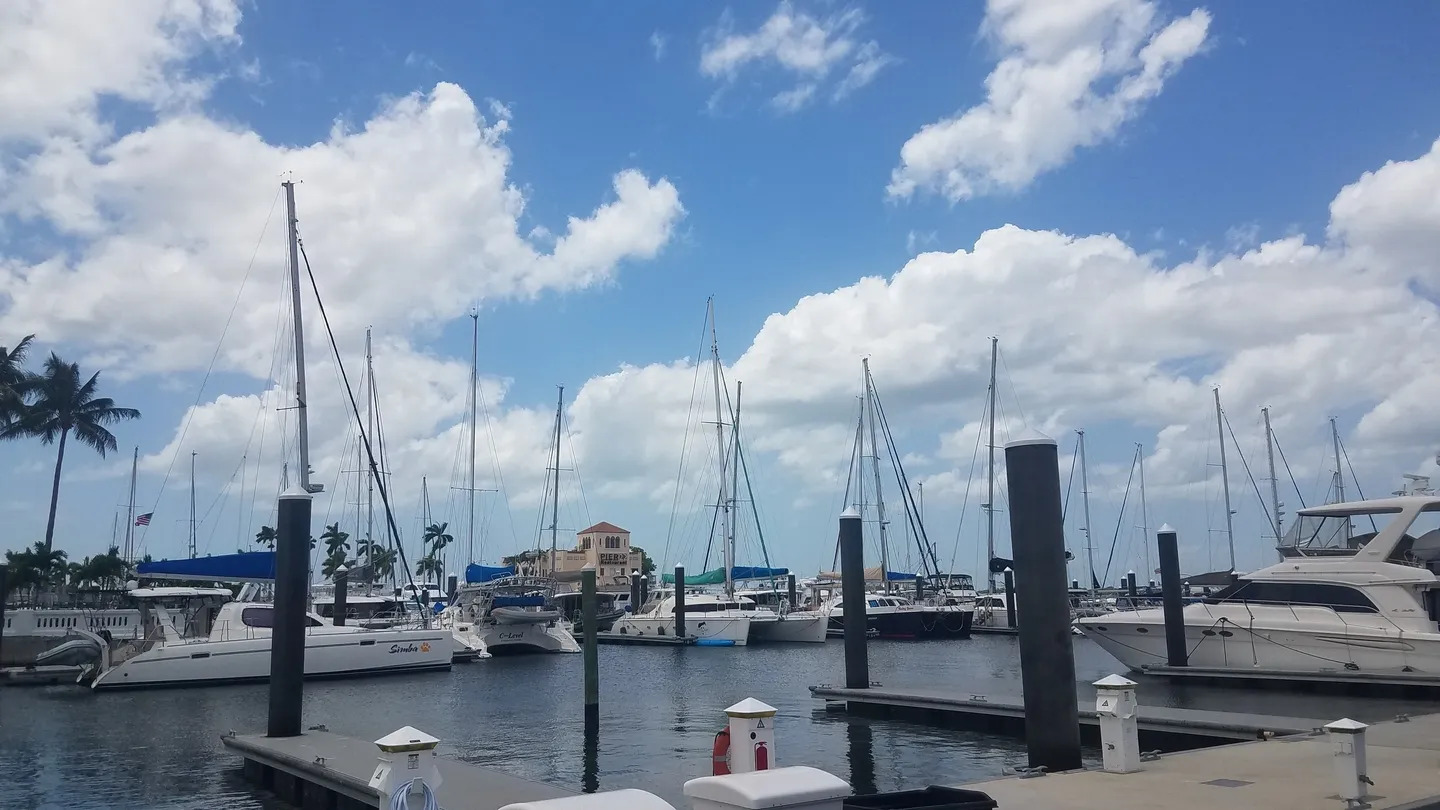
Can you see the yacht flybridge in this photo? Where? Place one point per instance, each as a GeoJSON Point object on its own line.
{"type": "Point", "coordinates": [1356, 589]}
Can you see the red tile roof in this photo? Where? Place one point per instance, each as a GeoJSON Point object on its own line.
{"type": "Point", "coordinates": [602, 526]}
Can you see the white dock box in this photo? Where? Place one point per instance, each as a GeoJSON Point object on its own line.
{"type": "Point", "coordinates": [629, 799]}
{"type": "Point", "coordinates": [791, 788]}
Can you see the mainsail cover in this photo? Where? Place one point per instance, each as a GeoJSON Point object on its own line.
{"type": "Point", "coordinates": [247, 566]}
{"type": "Point", "coordinates": [738, 572]}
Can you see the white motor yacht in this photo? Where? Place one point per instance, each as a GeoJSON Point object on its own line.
{"type": "Point", "coordinates": [512, 614]}
{"type": "Point", "coordinates": [791, 624]}
{"type": "Point", "coordinates": [1356, 589]}
{"type": "Point", "coordinates": [712, 620]}
{"type": "Point", "coordinates": [229, 642]}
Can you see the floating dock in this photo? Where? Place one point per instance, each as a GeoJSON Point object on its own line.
{"type": "Point", "coordinates": [1282, 774]}
{"type": "Point", "coordinates": [1416, 683]}
{"type": "Point", "coordinates": [994, 631]}
{"type": "Point", "coordinates": [1159, 726]}
{"type": "Point", "coordinates": [39, 676]}
{"type": "Point", "coordinates": [323, 770]}
{"type": "Point", "coordinates": [609, 637]}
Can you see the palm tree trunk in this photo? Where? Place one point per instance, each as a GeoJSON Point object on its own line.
{"type": "Point", "coordinates": [55, 491]}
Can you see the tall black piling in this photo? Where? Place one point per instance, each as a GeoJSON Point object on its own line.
{"type": "Point", "coordinates": [452, 584]}
{"type": "Point", "coordinates": [1011, 609]}
{"type": "Point", "coordinates": [589, 607]}
{"type": "Point", "coordinates": [1132, 589]}
{"type": "Point", "coordinates": [1169, 549]}
{"type": "Point", "coordinates": [680, 601]}
{"type": "Point", "coordinates": [644, 589]}
{"type": "Point", "coordinates": [4, 597]}
{"type": "Point", "coordinates": [919, 589]}
{"type": "Point", "coordinates": [790, 592]}
{"type": "Point", "coordinates": [287, 642]}
{"type": "Point", "coordinates": [342, 579]}
{"type": "Point", "coordinates": [852, 595]}
{"type": "Point", "coordinates": [1047, 663]}
{"type": "Point", "coordinates": [634, 591]}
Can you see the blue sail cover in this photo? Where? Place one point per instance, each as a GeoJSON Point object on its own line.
{"type": "Point", "coordinates": [900, 576]}
{"type": "Point", "coordinates": [249, 566]}
{"type": "Point", "coordinates": [475, 574]}
{"type": "Point", "coordinates": [752, 572]}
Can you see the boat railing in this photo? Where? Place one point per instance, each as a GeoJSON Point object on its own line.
{"type": "Point", "coordinates": [1344, 614]}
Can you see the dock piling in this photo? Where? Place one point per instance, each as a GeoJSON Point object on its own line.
{"type": "Point", "coordinates": [680, 601]}
{"type": "Point", "coordinates": [452, 584]}
{"type": "Point", "coordinates": [588, 610]}
{"type": "Point", "coordinates": [1047, 662]}
{"type": "Point", "coordinates": [342, 581]}
{"type": "Point", "coordinates": [1132, 590]}
{"type": "Point", "coordinates": [4, 597]}
{"type": "Point", "coordinates": [287, 643]}
{"type": "Point", "coordinates": [791, 593]}
{"type": "Point", "coordinates": [1011, 609]}
{"type": "Point", "coordinates": [852, 595]}
{"type": "Point", "coordinates": [1169, 553]}
{"type": "Point", "coordinates": [644, 589]}
{"type": "Point", "coordinates": [634, 591]}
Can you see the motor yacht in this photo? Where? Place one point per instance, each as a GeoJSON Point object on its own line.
{"type": "Point", "coordinates": [711, 619]}
{"type": "Point", "coordinates": [1355, 589]}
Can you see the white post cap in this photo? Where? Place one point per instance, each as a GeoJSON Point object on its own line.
{"type": "Point", "coordinates": [1346, 726]}
{"type": "Point", "coordinates": [1115, 682]}
{"type": "Point", "coordinates": [750, 707]}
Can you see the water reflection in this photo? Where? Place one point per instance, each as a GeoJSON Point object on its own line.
{"type": "Point", "coordinates": [861, 755]}
{"type": "Point", "coordinates": [590, 760]}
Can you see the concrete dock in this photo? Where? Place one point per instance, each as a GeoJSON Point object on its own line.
{"type": "Point", "coordinates": [1166, 728]}
{"type": "Point", "coordinates": [1344, 681]}
{"type": "Point", "coordinates": [610, 637]}
{"type": "Point", "coordinates": [323, 770]}
{"type": "Point", "coordinates": [1291, 773]}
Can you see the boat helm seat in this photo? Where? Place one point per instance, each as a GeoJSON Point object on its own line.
{"type": "Point", "coordinates": [1426, 549]}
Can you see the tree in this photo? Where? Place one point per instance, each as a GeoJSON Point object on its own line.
{"type": "Point", "coordinates": [436, 536]}
{"type": "Point", "coordinates": [332, 564]}
{"type": "Point", "coordinates": [336, 541]}
{"type": "Point", "coordinates": [15, 381]}
{"type": "Point", "coordinates": [430, 565]}
{"type": "Point", "coordinates": [63, 405]}
{"type": "Point", "coordinates": [382, 562]}
{"type": "Point", "coordinates": [647, 565]}
{"type": "Point", "coordinates": [266, 537]}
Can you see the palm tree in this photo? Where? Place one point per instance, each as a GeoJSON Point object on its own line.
{"type": "Point", "coordinates": [436, 535]}
{"type": "Point", "coordinates": [336, 541]}
{"type": "Point", "coordinates": [382, 562]}
{"type": "Point", "coordinates": [429, 565]}
{"type": "Point", "coordinates": [266, 537]}
{"type": "Point", "coordinates": [63, 405]}
{"type": "Point", "coordinates": [332, 564]}
{"type": "Point", "coordinates": [15, 381]}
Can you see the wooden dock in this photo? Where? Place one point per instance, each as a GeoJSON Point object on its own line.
{"type": "Point", "coordinates": [610, 637]}
{"type": "Point", "coordinates": [1281, 774]}
{"type": "Point", "coordinates": [323, 770]}
{"type": "Point", "coordinates": [1163, 727]}
{"type": "Point", "coordinates": [994, 631]}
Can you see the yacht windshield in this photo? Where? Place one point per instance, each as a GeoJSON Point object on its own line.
{"type": "Point", "coordinates": [1330, 534]}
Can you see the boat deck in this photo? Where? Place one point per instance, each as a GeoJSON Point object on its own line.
{"type": "Point", "coordinates": [1289, 679]}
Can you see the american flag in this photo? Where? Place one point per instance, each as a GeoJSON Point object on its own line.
{"type": "Point", "coordinates": [143, 520]}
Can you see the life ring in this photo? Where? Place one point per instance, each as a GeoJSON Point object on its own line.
{"type": "Point", "coordinates": [720, 753]}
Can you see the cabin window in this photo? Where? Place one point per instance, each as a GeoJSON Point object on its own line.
{"type": "Point", "coordinates": [1340, 598]}
{"type": "Point", "coordinates": [258, 617]}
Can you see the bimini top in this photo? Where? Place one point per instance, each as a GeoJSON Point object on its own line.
{"type": "Point", "coordinates": [247, 566]}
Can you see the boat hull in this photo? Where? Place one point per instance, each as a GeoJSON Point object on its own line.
{"type": "Point", "coordinates": [912, 623]}
{"type": "Point", "coordinates": [703, 627]}
{"type": "Point", "coordinates": [327, 655]}
{"type": "Point", "coordinates": [526, 639]}
{"type": "Point", "coordinates": [799, 627]}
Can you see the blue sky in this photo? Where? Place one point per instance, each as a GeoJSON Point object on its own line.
{"type": "Point", "coordinates": [1249, 135]}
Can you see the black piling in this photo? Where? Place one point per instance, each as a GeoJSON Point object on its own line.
{"type": "Point", "coordinates": [1047, 663]}
{"type": "Point", "coordinates": [680, 601]}
{"type": "Point", "coordinates": [791, 593]}
{"type": "Point", "coordinates": [589, 607]}
{"type": "Point", "coordinates": [342, 579]}
{"type": "Point", "coordinates": [634, 591]}
{"type": "Point", "coordinates": [1169, 548]}
{"type": "Point", "coordinates": [1132, 589]}
{"type": "Point", "coordinates": [919, 589]}
{"type": "Point", "coordinates": [852, 594]}
{"type": "Point", "coordinates": [1011, 619]}
{"type": "Point", "coordinates": [4, 597]}
{"type": "Point", "coordinates": [644, 589]}
{"type": "Point", "coordinates": [452, 584]}
{"type": "Point", "coordinates": [287, 642]}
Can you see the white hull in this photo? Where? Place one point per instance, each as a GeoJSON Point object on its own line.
{"type": "Point", "coordinates": [327, 655]}
{"type": "Point", "coordinates": [1303, 638]}
{"type": "Point", "coordinates": [800, 626]}
{"type": "Point", "coordinates": [121, 623]}
{"type": "Point", "coordinates": [704, 627]}
{"type": "Point", "coordinates": [512, 615]}
{"type": "Point", "coordinates": [512, 639]}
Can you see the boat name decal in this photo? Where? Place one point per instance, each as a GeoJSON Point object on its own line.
{"type": "Point", "coordinates": [403, 648]}
{"type": "Point", "coordinates": [511, 636]}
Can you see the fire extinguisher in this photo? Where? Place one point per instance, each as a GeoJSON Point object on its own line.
{"type": "Point", "coordinates": [762, 757]}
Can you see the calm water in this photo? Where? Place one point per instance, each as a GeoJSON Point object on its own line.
{"type": "Point", "coordinates": [67, 747]}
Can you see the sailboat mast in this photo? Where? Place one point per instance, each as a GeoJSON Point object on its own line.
{"type": "Point", "coordinates": [1225, 479]}
{"type": "Point", "coordinates": [192, 504]}
{"type": "Point", "coordinates": [1085, 499]}
{"type": "Point", "coordinates": [1144, 513]}
{"type": "Point", "coordinates": [302, 423]}
{"type": "Point", "coordinates": [735, 472]}
{"type": "Point", "coordinates": [474, 402]}
{"type": "Point", "coordinates": [990, 474]}
{"type": "Point", "coordinates": [875, 468]}
{"type": "Point", "coordinates": [369, 431]}
{"type": "Point", "coordinates": [130, 522]}
{"type": "Point", "coordinates": [1274, 484]}
{"type": "Point", "coordinates": [723, 504]}
{"type": "Point", "coordinates": [555, 470]}
{"type": "Point", "coordinates": [1339, 475]}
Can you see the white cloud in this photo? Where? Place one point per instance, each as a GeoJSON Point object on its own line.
{"type": "Point", "coordinates": [657, 45]}
{"type": "Point", "coordinates": [1071, 73]}
{"type": "Point", "coordinates": [804, 48]}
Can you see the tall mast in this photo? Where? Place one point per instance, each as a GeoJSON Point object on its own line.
{"type": "Point", "coordinates": [875, 468]}
{"type": "Point", "coordinates": [425, 512]}
{"type": "Point", "coordinates": [1339, 475]}
{"type": "Point", "coordinates": [555, 499]}
{"type": "Point", "coordinates": [1225, 479]}
{"type": "Point", "coordinates": [734, 474]}
{"type": "Point", "coordinates": [303, 425]}
{"type": "Point", "coordinates": [1085, 499]}
{"type": "Point", "coordinates": [1274, 485]}
{"type": "Point", "coordinates": [474, 401]}
{"type": "Point", "coordinates": [130, 522]}
{"type": "Point", "coordinates": [369, 431]}
{"type": "Point", "coordinates": [192, 504]}
{"type": "Point", "coordinates": [1144, 514]}
{"type": "Point", "coordinates": [990, 475]}
{"type": "Point", "coordinates": [723, 504]}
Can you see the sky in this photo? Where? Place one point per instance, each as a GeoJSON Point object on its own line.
{"type": "Point", "coordinates": [1140, 199]}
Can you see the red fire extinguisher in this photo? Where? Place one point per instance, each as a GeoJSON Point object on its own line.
{"type": "Point", "coordinates": [762, 757]}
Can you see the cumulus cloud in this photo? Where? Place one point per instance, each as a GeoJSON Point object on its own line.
{"type": "Point", "coordinates": [1071, 73]}
{"type": "Point", "coordinates": [805, 49]}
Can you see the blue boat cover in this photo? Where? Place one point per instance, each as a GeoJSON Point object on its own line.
{"type": "Point", "coordinates": [900, 576]}
{"type": "Point", "coordinates": [248, 566]}
{"type": "Point", "coordinates": [484, 573]}
{"type": "Point", "coordinates": [737, 572]}
{"type": "Point", "coordinates": [519, 601]}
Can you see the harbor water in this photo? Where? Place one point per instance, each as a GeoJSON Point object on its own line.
{"type": "Point", "coordinates": [65, 747]}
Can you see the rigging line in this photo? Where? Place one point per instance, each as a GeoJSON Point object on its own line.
{"type": "Point", "coordinates": [1293, 482]}
{"type": "Point", "coordinates": [1255, 486]}
{"type": "Point", "coordinates": [1014, 393]}
{"type": "Point", "coordinates": [355, 409]}
{"type": "Point", "coordinates": [495, 460]}
{"type": "Point", "coordinates": [1346, 454]}
{"type": "Point", "coordinates": [849, 479]}
{"type": "Point", "coordinates": [685, 439]}
{"type": "Point", "coordinates": [213, 358]}
{"type": "Point", "coordinates": [1069, 483]}
{"type": "Point", "coordinates": [922, 541]}
{"type": "Point", "coordinates": [754, 509]}
{"type": "Point", "coordinates": [969, 481]}
{"type": "Point", "coordinates": [1119, 521]}
{"type": "Point", "coordinates": [575, 462]}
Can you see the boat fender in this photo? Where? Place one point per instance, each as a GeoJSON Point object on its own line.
{"type": "Point", "coordinates": [720, 753]}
